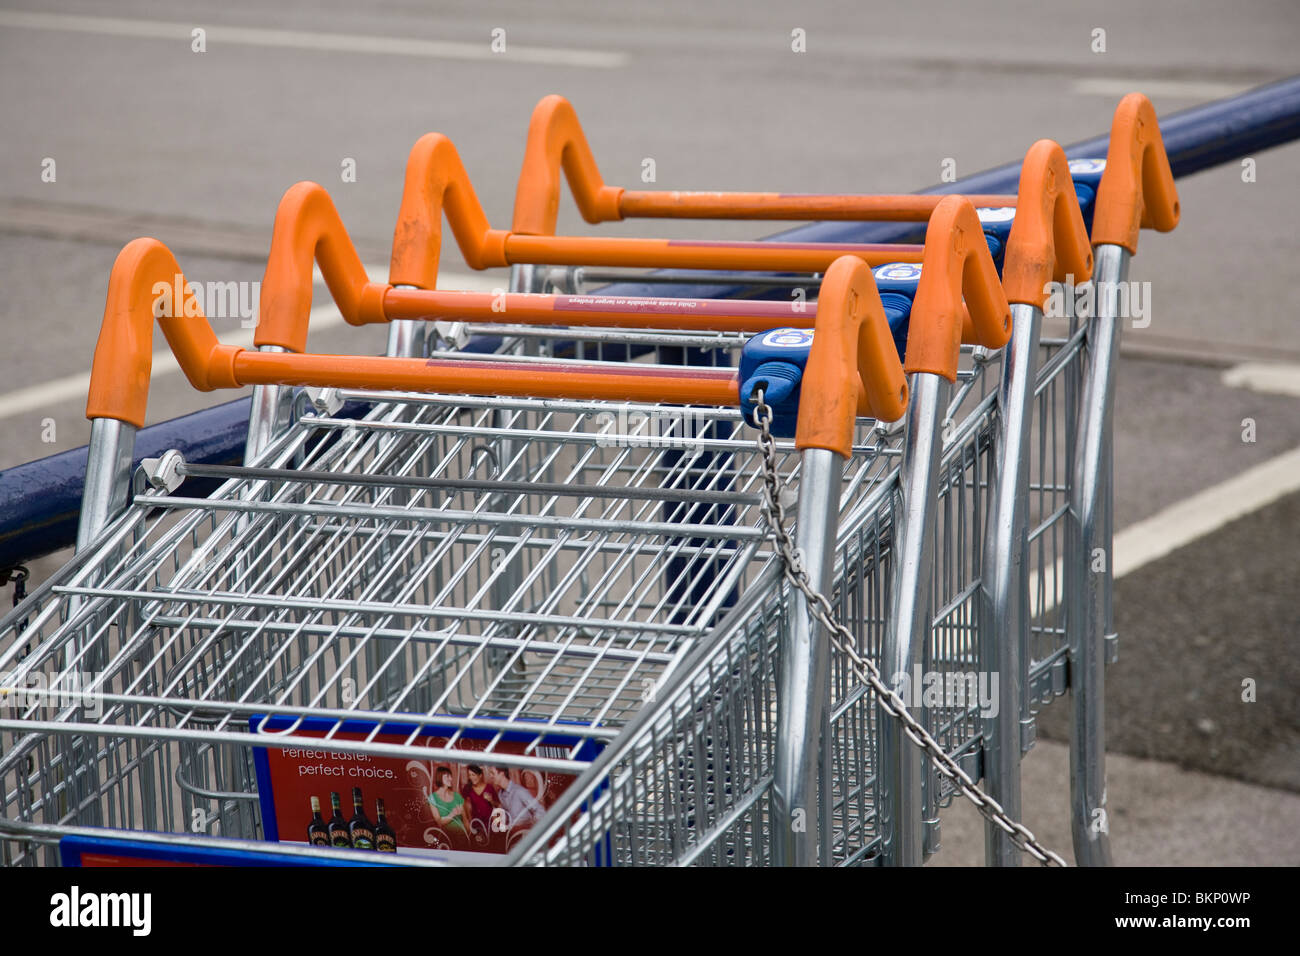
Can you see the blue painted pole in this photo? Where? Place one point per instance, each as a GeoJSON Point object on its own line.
{"type": "Point", "coordinates": [40, 500]}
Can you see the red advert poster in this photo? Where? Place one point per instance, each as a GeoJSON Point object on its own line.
{"type": "Point", "coordinates": [447, 808]}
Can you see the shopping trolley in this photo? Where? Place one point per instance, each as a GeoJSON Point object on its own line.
{"type": "Point", "coordinates": [1042, 546]}
{"type": "Point", "coordinates": [436, 182]}
{"type": "Point", "coordinates": [697, 777]}
{"type": "Point", "coordinates": [169, 608]}
{"type": "Point", "coordinates": [90, 637]}
{"type": "Point", "coordinates": [433, 161]}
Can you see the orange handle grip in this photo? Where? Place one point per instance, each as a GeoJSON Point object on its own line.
{"type": "Point", "coordinates": [308, 229]}
{"type": "Point", "coordinates": [852, 348]}
{"type": "Point", "coordinates": [699, 253]}
{"type": "Point", "coordinates": [492, 378]}
{"type": "Point", "coordinates": [1048, 238]}
{"type": "Point", "coordinates": [1137, 189]}
{"type": "Point", "coordinates": [146, 282]}
{"type": "Point", "coordinates": [555, 142]}
{"type": "Point", "coordinates": [825, 207]}
{"type": "Point", "coordinates": [957, 266]}
{"type": "Point", "coordinates": [527, 308]}
{"type": "Point", "coordinates": [146, 279]}
{"type": "Point", "coordinates": [436, 182]}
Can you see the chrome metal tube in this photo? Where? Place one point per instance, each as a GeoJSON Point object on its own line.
{"type": "Point", "coordinates": [270, 412]}
{"type": "Point", "coordinates": [909, 623]}
{"type": "Point", "coordinates": [1004, 585]}
{"type": "Point", "coordinates": [525, 278]}
{"type": "Point", "coordinates": [108, 476]}
{"type": "Point", "coordinates": [501, 456]}
{"type": "Point", "coordinates": [505, 453]}
{"type": "Point", "coordinates": [407, 338]}
{"type": "Point", "coordinates": [804, 682]}
{"type": "Point", "coordinates": [1090, 564]}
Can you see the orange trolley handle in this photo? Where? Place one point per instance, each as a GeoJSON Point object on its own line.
{"type": "Point", "coordinates": [140, 289]}
{"type": "Point", "coordinates": [308, 229]}
{"type": "Point", "coordinates": [146, 272]}
{"type": "Point", "coordinates": [1137, 188]}
{"type": "Point", "coordinates": [851, 347]}
{"type": "Point", "coordinates": [556, 144]}
{"type": "Point", "coordinates": [1048, 239]}
{"type": "Point", "coordinates": [958, 281]}
{"type": "Point", "coordinates": [436, 183]}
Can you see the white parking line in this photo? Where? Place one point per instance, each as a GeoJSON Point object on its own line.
{"type": "Point", "coordinates": [1192, 518]}
{"type": "Point", "coordinates": [217, 34]}
{"type": "Point", "coordinates": [1279, 378]}
{"type": "Point", "coordinates": [1207, 511]}
{"type": "Point", "coordinates": [1175, 89]}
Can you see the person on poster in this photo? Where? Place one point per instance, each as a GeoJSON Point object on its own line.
{"type": "Point", "coordinates": [480, 797]}
{"type": "Point", "coordinates": [521, 808]}
{"type": "Point", "coordinates": [448, 806]}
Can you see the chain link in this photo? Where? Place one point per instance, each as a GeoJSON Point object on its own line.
{"type": "Point", "coordinates": [842, 639]}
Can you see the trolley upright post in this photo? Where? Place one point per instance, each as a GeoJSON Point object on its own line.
{"type": "Point", "coordinates": [901, 762]}
{"type": "Point", "coordinates": [1047, 208]}
{"type": "Point", "coordinates": [407, 338]}
{"type": "Point", "coordinates": [801, 821]}
{"type": "Point", "coordinates": [108, 476]}
{"type": "Point", "coordinates": [801, 835]}
{"type": "Point", "coordinates": [958, 266]}
{"type": "Point", "coordinates": [1136, 191]}
{"type": "Point", "coordinates": [269, 412]}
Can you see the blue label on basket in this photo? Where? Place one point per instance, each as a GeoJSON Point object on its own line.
{"type": "Point", "coordinates": [897, 283]}
{"type": "Point", "coordinates": [788, 338]}
{"type": "Point", "coordinates": [898, 272]}
{"type": "Point", "coordinates": [1087, 174]}
{"type": "Point", "coordinates": [1087, 165]}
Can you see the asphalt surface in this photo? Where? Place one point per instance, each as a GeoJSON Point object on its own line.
{"type": "Point", "coordinates": [1193, 629]}
{"type": "Point", "coordinates": [151, 138]}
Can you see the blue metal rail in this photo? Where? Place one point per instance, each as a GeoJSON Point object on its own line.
{"type": "Point", "coordinates": [40, 500]}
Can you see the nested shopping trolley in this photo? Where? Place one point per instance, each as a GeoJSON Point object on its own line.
{"type": "Point", "coordinates": [1043, 612]}
{"type": "Point", "coordinates": [524, 569]}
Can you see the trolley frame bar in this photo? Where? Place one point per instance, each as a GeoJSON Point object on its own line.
{"type": "Point", "coordinates": [1090, 529]}
{"type": "Point", "coordinates": [1004, 590]}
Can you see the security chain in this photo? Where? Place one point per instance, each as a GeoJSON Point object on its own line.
{"type": "Point", "coordinates": [866, 670]}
